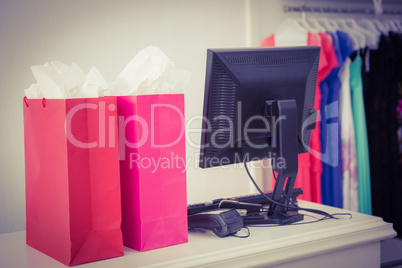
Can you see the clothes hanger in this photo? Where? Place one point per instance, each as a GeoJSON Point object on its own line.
{"type": "Point", "coordinates": [386, 25]}
{"type": "Point", "coordinates": [368, 25]}
{"type": "Point", "coordinates": [380, 26]}
{"type": "Point", "coordinates": [332, 23]}
{"type": "Point", "coordinates": [291, 25]}
{"type": "Point", "coordinates": [325, 23]}
{"type": "Point", "coordinates": [313, 22]}
{"type": "Point", "coordinates": [360, 38]}
{"type": "Point", "coordinates": [396, 24]}
{"type": "Point", "coordinates": [372, 39]}
{"type": "Point", "coordinates": [303, 23]}
{"type": "Point", "coordinates": [394, 28]}
{"type": "Point", "coordinates": [399, 25]}
{"type": "Point", "coordinates": [291, 33]}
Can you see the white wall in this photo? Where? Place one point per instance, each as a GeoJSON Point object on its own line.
{"type": "Point", "coordinates": [107, 34]}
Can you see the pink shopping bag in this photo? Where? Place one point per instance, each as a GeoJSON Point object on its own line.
{"type": "Point", "coordinates": [153, 170]}
{"type": "Point", "coordinates": [73, 209]}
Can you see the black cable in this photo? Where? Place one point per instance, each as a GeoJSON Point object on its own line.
{"type": "Point", "coordinates": [243, 236]}
{"type": "Point", "coordinates": [290, 224]}
{"type": "Point", "coordinates": [300, 223]}
{"type": "Point", "coordinates": [293, 205]}
{"type": "Point", "coordinates": [317, 211]}
{"type": "Point", "coordinates": [258, 188]}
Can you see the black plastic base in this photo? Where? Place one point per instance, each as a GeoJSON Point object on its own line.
{"type": "Point", "coordinates": [263, 218]}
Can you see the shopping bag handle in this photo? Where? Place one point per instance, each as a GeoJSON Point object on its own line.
{"type": "Point", "coordinates": [43, 102]}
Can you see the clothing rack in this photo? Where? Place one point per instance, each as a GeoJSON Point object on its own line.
{"type": "Point", "coordinates": [339, 10]}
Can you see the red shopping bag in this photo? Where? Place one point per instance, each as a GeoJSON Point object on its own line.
{"type": "Point", "coordinates": [153, 170]}
{"type": "Point", "coordinates": [73, 209]}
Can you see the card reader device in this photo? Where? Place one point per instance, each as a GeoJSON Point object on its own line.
{"type": "Point", "coordinates": [222, 222]}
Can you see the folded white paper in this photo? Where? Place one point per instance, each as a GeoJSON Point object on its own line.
{"type": "Point", "coordinates": [56, 80]}
{"type": "Point", "coordinates": [149, 72]}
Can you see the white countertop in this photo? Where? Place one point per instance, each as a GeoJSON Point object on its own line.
{"type": "Point", "coordinates": [266, 245]}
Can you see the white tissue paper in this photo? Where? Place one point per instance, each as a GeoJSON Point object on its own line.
{"type": "Point", "coordinates": [149, 72]}
{"type": "Point", "coordinates": [56, 80]}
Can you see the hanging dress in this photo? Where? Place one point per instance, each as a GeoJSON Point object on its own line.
{"type": "Point", "coordinates": [359, 119]}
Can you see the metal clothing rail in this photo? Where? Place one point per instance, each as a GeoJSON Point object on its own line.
{"type": "Point", "coordinates": [339, 10]}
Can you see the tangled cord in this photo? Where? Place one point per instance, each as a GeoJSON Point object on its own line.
{"type": "Point", "coordinates": [292, 205]}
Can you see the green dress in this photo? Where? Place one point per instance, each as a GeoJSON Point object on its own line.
{"type": "Point", "coordinates": [362, 153]}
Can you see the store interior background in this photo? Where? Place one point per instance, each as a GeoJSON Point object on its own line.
{"type": "Point", "coordinates": [108, 34]}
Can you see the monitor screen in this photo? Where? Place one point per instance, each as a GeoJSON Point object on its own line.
{"type": "Point", "coordinates": [239, 83]}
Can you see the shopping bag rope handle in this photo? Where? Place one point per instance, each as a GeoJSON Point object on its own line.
{"type": "Point", "coordinates": [43, 102]}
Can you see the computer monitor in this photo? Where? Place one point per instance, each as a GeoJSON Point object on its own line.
{"type": "Point", "coordinates": [258, 104]}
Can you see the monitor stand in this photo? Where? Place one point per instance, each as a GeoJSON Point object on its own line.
{"type": "Point", "coordinates": [285, 144]}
